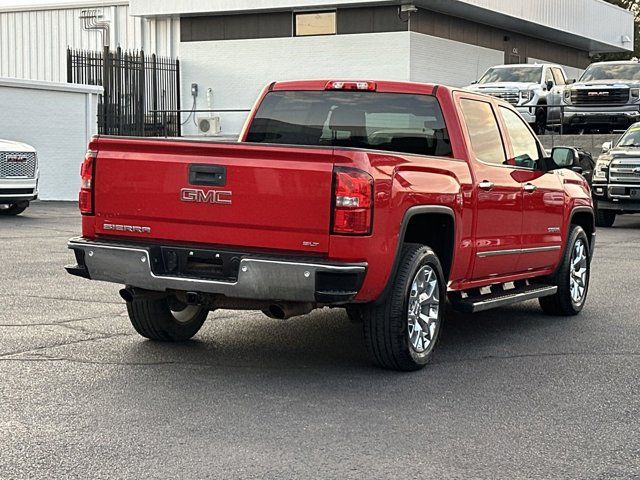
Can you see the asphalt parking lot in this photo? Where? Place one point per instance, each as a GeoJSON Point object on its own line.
{"type": "Point", "coordinates": [512, 393]}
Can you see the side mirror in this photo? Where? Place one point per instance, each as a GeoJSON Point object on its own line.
{"type": "Point", "coordinates": [474, 82]}
{"type": "Point", "coordinates": [564, 157]}
{"type": "Point", "coordinates": [577, 169]}
{"type": "Point", "coordinates": [549, 85]}
{"type": "Point", "coordinates": [606, 146]}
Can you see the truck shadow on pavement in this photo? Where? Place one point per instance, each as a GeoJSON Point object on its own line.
{"type": "Point", "coordinates": [327, 340]}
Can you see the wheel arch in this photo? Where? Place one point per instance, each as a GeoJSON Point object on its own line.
{"type": "Point", "coordinates": [414, 229]}
{"type": "Point", "coordinates": [585, 217]}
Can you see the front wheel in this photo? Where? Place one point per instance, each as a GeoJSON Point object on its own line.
{"type": "Point", "coordinates": [165, 319]}
{"type": "Point", "coordinates": [605, 218]}
{"type": "Point", "coordinates": [572, 278]}
{"type": "Point", "coordinates": [13, 209]}
{"type": "Point", "coordinates": [540, 127]}
{"type": "Point", "coordinates": [402, 329]}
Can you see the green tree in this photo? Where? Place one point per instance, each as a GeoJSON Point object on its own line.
{"type": "Point", "coordinates": [632, 6]}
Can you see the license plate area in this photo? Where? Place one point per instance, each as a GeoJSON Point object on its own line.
{"type": "Point", "coordinates": [199, 263]}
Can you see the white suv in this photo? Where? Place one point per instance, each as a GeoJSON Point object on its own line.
{"type": "Point", "coordinates": [19, 175]}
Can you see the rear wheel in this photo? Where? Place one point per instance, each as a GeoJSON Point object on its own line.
{"type": "Point", "coordinates": [572, 278]}
{"type": "Point", "coordinates": [402, 330]}
{"type": "Point", "coordinates": [14, 208]}
{"type": "Point", "coordinates": [605, 218]}
{"type": "Point", "coordinates": [165, 318]}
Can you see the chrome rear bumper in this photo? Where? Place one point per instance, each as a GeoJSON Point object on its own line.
{"type": "Point", "coordinates": [258, 278]}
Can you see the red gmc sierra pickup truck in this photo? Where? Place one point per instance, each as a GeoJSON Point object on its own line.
{"type": "Point", "coordinates": [386, 198]}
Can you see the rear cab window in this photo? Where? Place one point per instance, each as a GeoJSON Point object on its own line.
{"type": "Point", "coordinates": [484, 133]}
{"type": "Point", "coordinates": [396, 122]}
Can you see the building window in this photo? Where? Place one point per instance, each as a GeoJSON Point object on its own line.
{"type": "Point", "coordinates": [315, 23]}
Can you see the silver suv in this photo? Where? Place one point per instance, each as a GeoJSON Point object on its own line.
{"type": "Point", "coordinates": [605, 98]}
{"type": "Point", "coordinates": [531, 88]}
{"type": "Point", "coordinates": [18, 177]}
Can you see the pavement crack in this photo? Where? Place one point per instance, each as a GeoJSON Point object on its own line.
{"type": "Point", "coordinates": [64, 299]}
{"type": "Point", "coordinates": [5, 356]}
{"type": "Point", "coordinates": [62, 323]}
{"type": "Point", "coordinates": [539, 355]}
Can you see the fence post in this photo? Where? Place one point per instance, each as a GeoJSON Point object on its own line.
{"type": "Point", "coordinates": [106, 86]}
{"type": "Point", "coordinates": [142, 94]}
{"type": "Point", "coordinates": [178, 116]}
{"type": "Point", "coordinates": [69, 67]}
{"type": "Point", "coordinates": [154, 87]}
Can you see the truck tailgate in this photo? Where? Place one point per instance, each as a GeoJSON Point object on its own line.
{"type": "Point", "coordinates": [214, 193]}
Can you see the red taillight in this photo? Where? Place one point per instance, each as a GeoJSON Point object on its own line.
{"type": "Point", "coordinates": [85, 200]}
{"type": "Point", "coordinates": [353, 202]}
{"type": "Point", "coordinates": [338, 85]}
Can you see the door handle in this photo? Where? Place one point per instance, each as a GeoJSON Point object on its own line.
{"type": "Point", "coordinates": [530, 188]}
{"type": "Point", "coordinates": [485, 185]}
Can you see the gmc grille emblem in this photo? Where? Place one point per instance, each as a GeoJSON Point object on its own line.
{"type": "Point", "coordinates": [598, 94]}
{"type": "Point", "coordinates": [195, 195]}
{"type": "Point", "coordinates": [16, 158]}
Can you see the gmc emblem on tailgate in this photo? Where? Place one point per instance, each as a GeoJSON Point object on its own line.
{"type": "Point", "coordinates": [209, 196]}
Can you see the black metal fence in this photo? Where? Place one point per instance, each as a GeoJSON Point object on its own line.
{"type": "Point", "coordinates": [136, 87]}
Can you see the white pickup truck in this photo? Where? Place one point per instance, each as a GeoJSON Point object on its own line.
{"type": "Point", "coordinates": [19, 175]}
{"type": "Point", "coordinates": [531, 88]}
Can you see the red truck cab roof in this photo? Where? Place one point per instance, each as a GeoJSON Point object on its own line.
{"type": "Point", "coordinates": [383, 86]}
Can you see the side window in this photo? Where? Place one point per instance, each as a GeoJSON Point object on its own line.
{"type": "Point", "coordinates": [523, 143]}
{"type": "Point", "coordinates": [548, 76]}
{"type": "Point", "coordinates": [559, 77]}
{"type": "Point", "coordinates": [484, 133]}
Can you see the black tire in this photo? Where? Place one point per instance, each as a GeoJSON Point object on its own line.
{"type": "Point", "coordinates": [386, 322]}
{"type": "Point", "coordinates": [540, 127]}
{"type": "Point", "coordinates": [156, 318]}
{"type": "Point", "coordinates": [14, 209]}
{"type": "Point", "coordinates": [562, 303]}
{"type": "Point", "coordinates": [605, 218]}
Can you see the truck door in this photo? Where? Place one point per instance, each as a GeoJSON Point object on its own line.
{"type": "Point", "coordinates": [498, 225]}
{"type": "Point", "coordinates": [542, 194]}
{"type": "Point", "coordinates": [555, 95]}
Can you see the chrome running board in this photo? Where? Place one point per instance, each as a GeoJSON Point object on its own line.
{"type": "Point", "coordinates": [500, 299]}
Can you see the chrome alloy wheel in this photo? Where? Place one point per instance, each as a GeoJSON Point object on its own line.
{"type": "Point", "coordinates": [423, 309]}
{"type": "Point", "coordinates": [578, 271]}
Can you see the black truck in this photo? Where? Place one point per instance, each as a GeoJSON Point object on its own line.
{"type": "Point", "coordinates": [616, 178]}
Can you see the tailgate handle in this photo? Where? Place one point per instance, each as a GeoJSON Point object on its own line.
{"type": "Point", "coordinates": [212, 175]}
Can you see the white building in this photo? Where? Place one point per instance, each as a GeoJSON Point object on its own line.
{"type": "Point", "coordinates": [235, 47]}
{"type": "Point", "coordinates": [34, 38]}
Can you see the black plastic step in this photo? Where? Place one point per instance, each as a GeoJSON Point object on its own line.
{"type": "Point", "coordinates": [480, 303]}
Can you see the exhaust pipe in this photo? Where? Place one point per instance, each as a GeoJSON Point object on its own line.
{"type": "Point", "coordinates": [127, 295]}
{"type": "Point", "coordinates": [283, 311]}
